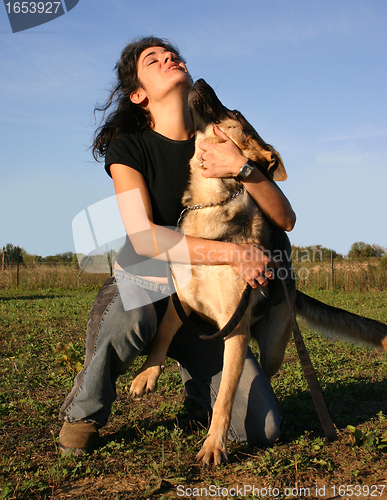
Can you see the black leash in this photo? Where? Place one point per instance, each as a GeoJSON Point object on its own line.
{"type": "Point", "coordinates": [303, 354]}
{"type": "Point", "coordinates": [245, 299]}
{"type": "Point", "coordinates": [228, 327]}
{"type": "Point", "coordinates": [310, 374]}
{"type": "Point", "coordinates": [306, 363]}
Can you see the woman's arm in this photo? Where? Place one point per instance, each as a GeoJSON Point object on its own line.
{"type": "Point", "coordinates": [225, 160]}
{"type": "Point", "coordinates": [154, 241]}
{"type": "Point", "coordinates": [270, 199]}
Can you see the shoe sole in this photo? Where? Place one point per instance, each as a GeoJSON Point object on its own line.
{"type": "Point", "coordinates": [74, 451]}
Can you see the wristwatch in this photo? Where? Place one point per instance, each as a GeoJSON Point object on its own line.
{"type": "Point", "coordinates": [245, 170]}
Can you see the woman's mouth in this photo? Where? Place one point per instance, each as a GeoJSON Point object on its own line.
{"type": "Point", "coordinates": [172, 66]}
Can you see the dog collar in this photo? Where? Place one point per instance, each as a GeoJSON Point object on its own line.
{"type": "Point", "coordinates": [208, 205]}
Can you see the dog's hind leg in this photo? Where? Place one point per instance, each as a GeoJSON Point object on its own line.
{"type": "Point", "coordinates": [272, 333]}
{"type": "Point", "coordinates": [147, 376]}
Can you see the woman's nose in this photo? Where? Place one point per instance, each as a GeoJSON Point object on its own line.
{"type": "Point", "coordinates": [168, 56]}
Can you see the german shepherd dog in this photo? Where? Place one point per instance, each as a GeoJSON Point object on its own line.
{"type": "Point", "coordinates": [215, 291]}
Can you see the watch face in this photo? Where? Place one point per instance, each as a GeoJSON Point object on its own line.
{"type": "Point", "coordinates": [246, 170]}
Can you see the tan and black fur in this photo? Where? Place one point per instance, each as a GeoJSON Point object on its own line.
{"type": "Point", "coordinates": [214, 291]}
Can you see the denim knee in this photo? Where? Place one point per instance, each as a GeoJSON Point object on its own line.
{"type": "Point", "coordinates": [114, 338]}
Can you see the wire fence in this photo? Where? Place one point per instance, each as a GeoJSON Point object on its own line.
{"type": "Point", "coordinates": [48, 275]}
{"type": "Point", "coordinates": [345, 275]}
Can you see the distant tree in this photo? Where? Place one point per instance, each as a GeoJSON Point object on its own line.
{"type": "Point", "coordinates": [59, 258]}
{"type": "Point", "coordinates": [29, 259]}
{"type": "Point", "coordinates": [378, 250]}
{"type": "Point", "coordinates": [314, 253]}
{"type": "Point", "coordinates": [361, 250]}
{"type": "Point", "coordinates": [13, 253]}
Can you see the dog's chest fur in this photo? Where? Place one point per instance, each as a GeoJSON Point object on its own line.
{"type": "Point", "coordinates": [239, 220]}
{"type": "Point", "coordinates": [214, 291]}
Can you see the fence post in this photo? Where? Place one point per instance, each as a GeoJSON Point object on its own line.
{"type": "Point", "coordinates": [110, 260]}
{"type": "Point", "coordinates": [17, 267]}
{"type": "Point", "coordinates": [3, 260]}
{"type": "Point", "coordinates": [333, 271]}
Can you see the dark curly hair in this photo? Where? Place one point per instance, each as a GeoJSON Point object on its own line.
{"type": "Point", "coordinates": [126, 116]}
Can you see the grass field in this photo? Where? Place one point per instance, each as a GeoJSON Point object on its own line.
{"type": "Point", "coordinates": [148, 448]}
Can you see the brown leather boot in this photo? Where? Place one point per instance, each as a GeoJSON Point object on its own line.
{"type": "Point", "coordinates": [78, 437]}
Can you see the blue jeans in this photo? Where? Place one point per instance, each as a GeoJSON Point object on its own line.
{"type": "Point", "coordinates": [116, 336]}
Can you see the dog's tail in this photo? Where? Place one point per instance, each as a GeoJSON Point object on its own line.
{"type": "Point", "coordinates": [336, 323]}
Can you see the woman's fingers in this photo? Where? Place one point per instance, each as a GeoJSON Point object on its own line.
{"type": "Point", "coordinates": [253, 265]}
{"type": "Point", "coordinates": [220, 159]}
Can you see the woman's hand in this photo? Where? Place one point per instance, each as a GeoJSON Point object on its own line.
{"type": "Point", "coordinates": [222, 159]}
{"type": "Point", "coordinates": [252, 264]}
{"type": "Point", "coordinates": [225, 159]}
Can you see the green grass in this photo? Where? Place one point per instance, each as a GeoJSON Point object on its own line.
{"type": "Point", "coordinates": [148, 447]}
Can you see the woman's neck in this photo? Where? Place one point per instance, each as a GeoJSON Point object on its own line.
{"type": "Point", "coordinates": [172, 119]}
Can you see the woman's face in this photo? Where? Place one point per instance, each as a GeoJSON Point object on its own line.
{"type": "Point", "coordinates": [159, 71]}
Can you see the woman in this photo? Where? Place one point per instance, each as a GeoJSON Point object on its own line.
{"type": "Point", "coordinates": [147, 142]}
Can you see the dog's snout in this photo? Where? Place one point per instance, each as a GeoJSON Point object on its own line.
{"type": "Point", "coordinates": [205, 106]}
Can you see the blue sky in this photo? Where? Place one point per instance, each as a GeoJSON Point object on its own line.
{"type": "Point", "coordinates": [311, 76]}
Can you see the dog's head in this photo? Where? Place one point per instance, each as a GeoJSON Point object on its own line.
{"type": "Point", "coordinates": [207, 110]}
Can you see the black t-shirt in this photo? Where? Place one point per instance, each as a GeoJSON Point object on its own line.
{"type": "Point", "coordinates": [164, 164]}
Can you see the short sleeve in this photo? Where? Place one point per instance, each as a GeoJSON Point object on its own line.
{"type": "Point", "coordinates": [126, 149]}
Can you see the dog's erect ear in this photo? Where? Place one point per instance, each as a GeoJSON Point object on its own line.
{"type": "Point", "coordinates": [257, 146]}
{"type": "Point", "coordinates": [276, 170]}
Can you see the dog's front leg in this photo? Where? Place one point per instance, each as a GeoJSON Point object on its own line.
{"type": "Point", "coordinates": [147, 376]}
{"type": "Point", "coordinates": [214, 449]}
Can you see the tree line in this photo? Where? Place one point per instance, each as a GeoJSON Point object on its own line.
{"type": "Point", "coordinates": [11, 254]}
{"type": "Point", "coordinates": [358, 250]}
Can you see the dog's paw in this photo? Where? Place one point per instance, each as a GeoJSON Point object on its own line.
{"type": "Point", "coordinates": [145, 381]}
{"type": "Point", "coordinates": [213, 452]}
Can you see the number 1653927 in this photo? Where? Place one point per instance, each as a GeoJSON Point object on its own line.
{"type": "Point", "coordinates": [33, 7]}
{"type": "Point", "coordinates": [359, 490]}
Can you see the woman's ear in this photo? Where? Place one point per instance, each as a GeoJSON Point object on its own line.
{"type": "Point", "coordinates": [138, 96]}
